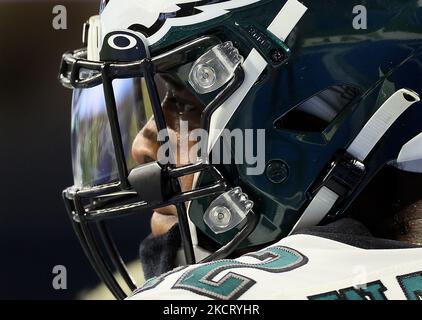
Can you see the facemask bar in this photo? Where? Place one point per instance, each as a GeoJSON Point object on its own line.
{"type": "Point", "coordinates": [118, 199]}
{"type": "Point", "coordinates": [161, 126]}
{"type": "Point", "coordinates": [83, 219]}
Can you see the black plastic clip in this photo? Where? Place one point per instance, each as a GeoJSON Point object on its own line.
{"type": "Point", "coordinates": [344, 175]}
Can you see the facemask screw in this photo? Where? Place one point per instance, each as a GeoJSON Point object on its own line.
{"type": "Point", "coordinates": [220, 216]}
{"type": "Point", "coordinates": [215, 68]}
{"type": "Point", "coordinates": [205, 76]}
{"type": "Point", "coordinates": [228, 211]}
{"type": "Point", "coordinates": [277, 55]}
{"type": "Point", "coordinates": [277, 171]}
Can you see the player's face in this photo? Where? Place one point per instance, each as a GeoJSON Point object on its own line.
{"type": "Point", "coordinates": [179, 104]}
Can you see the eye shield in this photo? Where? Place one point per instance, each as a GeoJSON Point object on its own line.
{"type": "Point", "coordinates": [94, 160]}
{"type": "Point", "coordinates": [176, 83]}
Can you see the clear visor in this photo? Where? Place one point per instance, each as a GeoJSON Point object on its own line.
{"type": "Point", "coordinates": [181, 92]}
{"type": "Point", "coordinates": [93, 156]}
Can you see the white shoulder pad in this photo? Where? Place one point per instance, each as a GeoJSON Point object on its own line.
{"type": "Point", "coordinates": [298, 267]}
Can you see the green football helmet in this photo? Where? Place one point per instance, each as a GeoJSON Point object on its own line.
{"type": "Point", "coordinates": [299, 106]}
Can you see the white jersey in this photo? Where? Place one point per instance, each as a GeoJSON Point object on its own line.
{"type": "Point", "coordinates": [297, 267]}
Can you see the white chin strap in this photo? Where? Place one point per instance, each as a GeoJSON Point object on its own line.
{"type": "Point", "coordinates": [361, 147]}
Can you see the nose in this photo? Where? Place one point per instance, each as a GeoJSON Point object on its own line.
{"type": "Point", "coordinates": [145, 146]}
{"type": "Point", "coordinates": [145, 149]}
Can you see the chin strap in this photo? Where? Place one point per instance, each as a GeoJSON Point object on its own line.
{"type": "Point", "coordinates": [348, 171]}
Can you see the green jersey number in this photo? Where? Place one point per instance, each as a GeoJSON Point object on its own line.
{"type": "Point", "coordinates": [201, 279]}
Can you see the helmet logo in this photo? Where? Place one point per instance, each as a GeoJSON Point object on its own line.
{"type": "Point", "coordinates": [124, 41]}
{"type": "Point", "coordinates": [154, 18]}
{"type": "Point", "coordinates": [123, 45]}
{"type": "Point", "coordinates": [180, 9]}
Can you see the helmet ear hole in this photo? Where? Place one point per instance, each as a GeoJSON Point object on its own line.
{"type": "Point", "coordinates": [316, 113]}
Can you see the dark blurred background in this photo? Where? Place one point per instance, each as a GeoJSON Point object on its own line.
{"type": "Point", "coordinates": [35, 233]}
